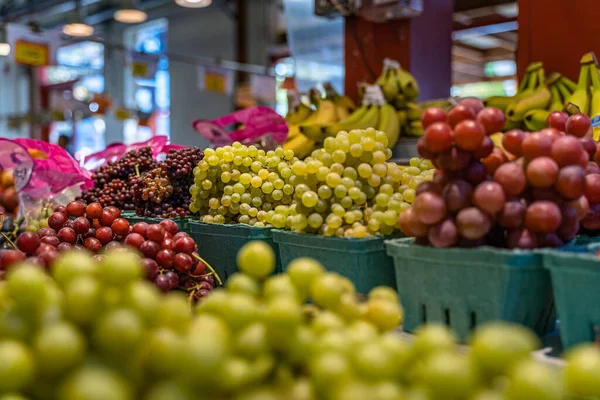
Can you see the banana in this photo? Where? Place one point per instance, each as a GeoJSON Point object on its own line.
{"type": "Point", "coordinates": [413, 112]}
{"type": "Point", "coordinates": [391, 87]}
{"type": "Point", "coordinates": [293, 131]}
{"type": "Point", "coordinates": [388, 123]}
{"type": "Point", "coordinates": [415, 128]}
{"type": "Point", "coordinates": [341, 112]}
{"type": "Point", "coordinates": [299, 115]}
{"type": "Point", "coordinates": [508, 125]}
{"type": "Point", "coordinates": [346, 124]}
{"type": "Point", "coordinates": [408, 84]}
{"type": "Point", "coordinates": [564, 91]}
{"type": "Point", "coordinates": [325, 114]}
{"type": "Point", "coordinates": [400, 102]}
{"type": "Point", "coordinates": [301, 145]}
{"type": "Point", "coordinates": [581, 95]}
{"type": "Point", "coordinates": [568, 83]}
{"type": "Point", "coordinates": [535, 120]}
{"type": "Point", "coordinates": [347, 103]}
{"type": "Point", "coordinates": [369, 120]}
{"type": "Point", "coordinates": [557, 101]}
{"type": "Point", "coordinates": [402, 118]}
{"type": "Point", "coordinates": [595, 104]}
{"type": "Point", "coordinates": [538, 99]}
{"type": "Point", "coordinates": [500, 102]}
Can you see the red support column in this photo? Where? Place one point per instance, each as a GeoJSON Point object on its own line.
{"type": "Point", "coordinates": [423, 45]}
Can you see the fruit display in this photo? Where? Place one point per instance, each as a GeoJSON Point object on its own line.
{"type": "Point", "coordinates": [347, 188]}
{"type": "Point", "coordinates": [97, 330]}
{"type": "Point", "coordinates": [170, 258]}
{"type": "Point", "coordinates": [9, 199]}
{"type": "Point", "coordinates": [538, 198]}
{"type": "Point", "coordinates": [111, 186]}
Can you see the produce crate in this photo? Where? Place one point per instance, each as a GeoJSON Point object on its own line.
{"type": "Point", "coordinates": [467, 287]}
{"type": "Point", "coordinates": [219, 244]}
{"type": "Point", "coordinates": [575, 280]}
{"type": "Point", "coordinates": [363, 261]}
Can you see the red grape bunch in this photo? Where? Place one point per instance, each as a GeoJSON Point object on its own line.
{"type": "Point", "coordinates": [532, 196]}
{"type": "Point", "coordinates": [110, 181]}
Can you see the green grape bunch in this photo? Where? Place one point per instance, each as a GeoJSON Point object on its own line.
{"type": "Point", "coordinates": [348, 188]}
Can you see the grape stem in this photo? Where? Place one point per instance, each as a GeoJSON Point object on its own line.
{"type": "Point", "coordinates": [197, 257]}
{"type": "Point", "coordinates": [17, 226]}
{"type": "Point", "coordinates": [137, 169]}
{"type": "Point", "coordinates": [9, 241]}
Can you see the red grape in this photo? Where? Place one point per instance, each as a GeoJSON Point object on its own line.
{"type": "Point", "coordinates": [569, 226]}
{"type": "Point", "coordinates": [592, 188]}
{"type": "Point", "coordinates": [75, 209]}
{"type": "Point", "coordinates": [512, 214]}
{"type": "Point", "coordinates": [183, 262]}
{"type": "Point", "coordinates": [581, 205]}
{"type": "Point", "coordinates": [93, 211]}
{"type": "Point", "coordinates": [200, 269]}
{"type": "Point", "coordinates": [459, 113]}
{"type": "Point", "coordinates": [51, 240]}
{"type": "Point", "coordinates": [473, 103]}
{"type": "Point", "coordinates": [578, 125]}
{"type": "Point", "coordinates": [472, 223]}
{"type": "Point", "coordinates": [429, 186]}
{"type": "Point", "coordinates": [92, 244]}
{"type": "Point", "coordinates": [511, 177]}
{"type": "Point", "coordinates": [557, 120]}
{"type": "Point", "coordinates": [61, 209]}
{"type": "Point", "coordinates": [542, 172]}
{"type": "Point", "coordinates": [185, 245]}
{"type": "Point", "coordinates": [107, 217]}
{"type": "Point", "coordinates": [512, 141]}
{"type": "Point", "coordinates": [10, 257]}
{"type": "Point", "coordinates": [489, 197]}
{"type": "Point", "coordinates": [120, 226]}
{"type": "Point", "coordinates": [542, 217]}
{"type": "Point", "coordinates": [104, 234]}
{"type": "Point", "coordinates": [521, 239]}
{"type": "Point", "coordinates": [167, 236]}
{"type": "Point", "coordinates": [46, 232]}
{"type": "Point", "coordinates": [570, 182]}
{"type": "Point", "coordinates": [454, 159]}
{"type": "Point", "coordinates": [549, 194]}
{"type": "Point", "coordinates": [589, 145]}
{"type": "Point", "coordinates": [173, 279]}
{"type": "Point", "coordinates": [476, 172]}
{"type": "Point", "coordinates": [438, 137]}
{"type": "Point", "coordinates": [469, 134]}
{"type": "Point", "coordinates": [592, 219]}
{"type": "Point", "coordinates": [48, 257]}
{"type": "Point", "coordinates": [165, 258]}
{"type": "Point", "coordinates": [149, 249]}
{"type": "Point", "coordinates": [112, 245]}
{"type": "Point", "coordinates": [168, 244]}
{"type": "Point", "coordinates": [156, 233]}
{"type": "Point", "coordinates": [114, 210]}
{"type": "Point", "coordinates": [57, 220]}
{"type": "Point", "coordinates": [566, 151]}
{"type": "Point", "coordinates": [67, 235]}
{"type": "Point", "coordinates": [140, 228]}
{"type": "Point", "coordinates": [422, 149]}
{"type": "Point", "coordinates": [27, 242]}
{"type": "Point", "coordinates": [549, 240]}
{"type": "Point", "coordinates": [592, 168]}
{"type": "Point", "coordinates": [536, 145]}
{"type": "Point", "coordinates": [134, 240]}
{"type": "Point", "coordinates": [43, 247]}
{"type": "Point", "coordinates": [552, 133]}
{"type": "Point", "coordinates": [492, 119]}
{"type": "Point", "coordinates": [443, 234]}
{"type": "Point", "coordinates": [151, 268]}
{"type": "Point", "coordinates": [584, 158]}
{"type": "Point", "coordinates": [64, 246]}
{"type": "Point", "coordinates": [457, 195]}
{"type": "Point", "coordinates": [494, 160]}
{"type": "Point", "coordinates": [429, 208]}
{"type": "Point", "coordinates": [170, 226]}
{"type": "Point", "coordinates": [485, 148]}
{"type": "Point", "coordinates": [163, 282]}
{"type": "Point", "coordinates": [180, 235]}
{"type": "Point", "coordinates": [81, 225]}
{"type": "Point", "coordinates": [68, 224]}
{"type": "Point", "coordinates": [408, 219]}
{"type": "Point", "coordinates": [431, 115]}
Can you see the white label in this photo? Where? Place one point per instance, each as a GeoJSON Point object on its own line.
{"type": "Point", "coordinates": [388, 63]}
{"type": "Point", "coordinates": [373, 96]}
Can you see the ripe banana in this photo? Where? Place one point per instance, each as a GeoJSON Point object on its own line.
{"type": "Point", "coordinates": [538, 99]}
{"type": "Point", "coordinates": [391, 86]}
{"type": "Point", "coordinates": [535, 120]}
{"type": "Point", "coordinates": [595, 104]}
{"type": "Point", "coordinates": [299, 115]}
{"type": "Point", "coordinates": [581, 95]}
{"type": "Point", "coordinates": [388, 123]}
{"type": "Point", "coordinates": [415, 128]}
{"type": "Point", "coordinates": [293, 131]}
{"type": "Point", "coordinates": [400, 101]}
{"type": "Point", "coordinates": [557, 101]}
{"type": "Point", "coordinates": [325, 114]}
{"type": "Point", "coordinates": [408, 84]}
{"type": "Point", "coordinates": [413, 112]}
{"type": "Point", "coordinates": [346, 124]}
{"type": "Point", "coordinates": [369, 119]}
{"type": "Point", "coordinates": [402, 118]}
{"type": "Point", "coordinates": [301, 145]}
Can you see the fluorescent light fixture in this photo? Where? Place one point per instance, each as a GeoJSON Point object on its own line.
{"type": "Point", "coordinates": [4, 46]}
{"type": "Point", "coordinates": [194, 3]}
{"type": "Point", "coordinates": [78, 29]}
{"type": "Point", "coordinates": [128, 13]}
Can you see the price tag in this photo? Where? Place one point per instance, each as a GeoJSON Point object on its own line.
{"type": "Point", "coordinates": [215, 82]}
{"type": "Point", "coordinates": [139, 69]}
{"type": "Point", "coordinates": [29, 53]}
{"type": "Point", "coordinates": [16, 157]}
{"type": "Point", "coordinates": [596, 127]}
{"type": "Point", "coordinates": [373, 96]}
{"type": "Point", "coordinates": [388, 63]}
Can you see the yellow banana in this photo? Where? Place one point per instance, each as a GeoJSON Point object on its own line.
{"type": "Point", "coordinates": [293, 131]}
{"type": "Point", "coordinates": [301, 145]}
{"type": "Point", "coordinates": [299, 115]}
{"type": "Point", "coordinates": [535, 120]}
{"type": "Point", "coordinates": [388, 123]}
{"type": "Point", "coordinates": [346, 124]}
{"type": "Point", "coordinates": [413, 112]}
{"type": "Point", "coordinates": [391, 86]}
{"type": "Point", "coordinates": [500, 102]}
{"type": "Point", "coordinates": [347, 103]}
{"type": "Point", "coordinates": [581, 95]}
{"type": "Point", "coordinates": [325, 114]}
{"type": "Point", "coordinates": [400, 102]}
{"type": "Point", "coordinates": [595, 104]}
{"type": "Point", "coordinates": [369, 119]}
{"type": "Point", "coordinates": [402, 118]}
{"type": "Point", "coordinates": [564, 91]}
{"type": "Point", "coordinates": [540, 98]}
{"type": "Point", "coordinates": [568, 83]}
{"type": "Point", "coordinates": [415, 128]}
{"type": "Point", "coordinates": [408, 84]}
{"type": "Point", "coordinates": [557, 101]}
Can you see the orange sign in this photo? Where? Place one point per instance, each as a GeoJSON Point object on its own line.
{"type": "Point", "coordinates": [215, 82]}
{"type": "Point", "coordinates": [29, 53]}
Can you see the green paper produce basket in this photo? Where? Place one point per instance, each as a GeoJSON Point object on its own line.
{"type": "Point", "coordinates": [466, 287]}
{"type": "Point", "coordinates": [363, 261]}
{"type": "Point", "coordinates": [219, 244]}
{"type": "Point", "coordinates": [576, 282]}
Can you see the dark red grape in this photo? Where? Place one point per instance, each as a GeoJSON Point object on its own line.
{"type": "Point", "coordinates": [183, 262]}
{"type": "Point", "coordinates": [492, 119]}
{"type": "Point", "coordinates": [165, 258]}
{"type": "Point", "coordinates": [476, 172]}
{"type": "Point", "coordinates": [542, 217]}
{"type": "Point", "coordinates": [10, 257]}
{"type": "Point", "coordinates": [185, 245]}
{"type": "Point", "coordinates": [134, 240]}
{"type": "Point", "coordinates": [512, 214]}
{"type": "Point", "coordinates": [443, 234]}
{"type": "Point", "coordinates": [570, 182]}
{"type": "Point", "coordinates": [149, 249]}
{"type": "Point", "coordinates": [454, 159]}
{"type": "Point", "coordinates": [81, 225]}
{"type": "Point", "coordinates": [457, 195]}
{"type": "Point", "coordinates": [512, 141]}
{"type": "Point", "coordinates": [578, 125]}
{"type": "Point", "coordinates": [107, 218]}
{"type": "Point", "coordinates": [57, 220]}
{"type": "Point", "coordinates": [173, 279]}
{"type": "Point", "coordinates": [51, 240]}
{"type": "Point", "coordinates": [140, 228]}
{"type": "Point", "coordinates": [151, 268]}
{"type": "Point", "coordinates": [75, 209]}
{"type": "Point", "coordinates": [549, 240]}
{"type": "Point", "coordinates": [48, 257]}
{"type": "Point", "coordinates": [557, 120]}
{"type": "Point", "coordinates": [170, 226]}
{"type": "Point", "coordinates": [180, 235]}
{"type": "Point", "coordinates": [27, 242]}
{"type": "Point", "coordinates": [92, 244]}
{"type": "Point", "coordinates": [112, 245]}
{"type": "Point", "coordinates": [485, 148]}
{"type": "Point", "coordinates": [120, 226]}
{"type": "Point", "coordinates": [64, 246]}
{"type": "Point", "coordinates": [46, 232]}
{"type": "Point", "coordinates": [114, 210]}
{"type": "Point", "coordinates": [163, 282]}
{"type": "Point", "coordinates": [521, 239]}
{"type": "Point", "coordinates": [592, 188]}
{"type": "Point", "coordinates": [104, 234]}
{"type": "Point", "coordinates": [93, 211]}
{"type": "Point", "coordinates": [155, 233]}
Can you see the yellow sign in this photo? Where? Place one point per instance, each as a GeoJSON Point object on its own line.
{"type": "Point", "coordinates": [122, 114]}
{"type": "Point", "coordinates": [215, 82]}
{"type": "Point", "coordinates": [139, 69]}
{"type": "Point", "coordinates": [29, 53]}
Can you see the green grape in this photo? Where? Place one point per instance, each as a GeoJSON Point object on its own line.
{"type": "Point", "coordinates": [245, 179]}
{"type": "Point", "coordinates": [16, 366]}
{"type": "Point", "coordinates": [326, 159]}
{"type": "Point", "coordinates": [309, 198]}
{"type": "Point", "coordinates": [322, 173]}
{"type": "Point", "coordinates": [288, 189]}
{"type": "Point", "coordinates": [256, 181]}
{"type": "Point", "coordinates": [277, 195]}
{"type": "Point", "coordinates": [333, 179]}
{"type": "Point", "coordinates": [338, 156]}
{"type": "Point", "coordinates": [374, 180]}
{"type": "Point", "coordinates": [321, 206]}
{"type": "Point", "coordinates": [219, 219]}
{"type": "Point", "coordinates": [382, 199]}
{"type": "Point", "coordinates": [364, 170]}
{"type": "Point", "coordinates": [286, 172]}
{"type": "Point", "coordinates": [313, 166]}
{"type": "Point", "coordinates": [301, 189]}
{"type": "Point", "coordinates": [239, 188]}
{"type": "Point", "coordinates": [278, 184]}
{"type": "Point", "coordinates": [409, 195]}
{"type": "Point", "coordinates": [380, 170]}
{"type": "Point", "coordinates": [315, 221]}
{"type": "Point", "coordinates": [246, 198]}
{"type": "Point", "coordinates": [374, 225]}
{"type": "Point", "coordinates": [356, 150]}
{"type": "Point", "coordinates": [340, 191]}
{"type": "Point", "coordinates": [299, 168]}
{"type": "Point", "coordinates": [346, 202]}
{"type": "Point", "coordinates": [362, 199]}
{"type": "Point", "coordinates": [338, 209]}
{"type": "Point", "coordinates": [334, 221]}
{"type": "Point", "coordinates": [354, 193]}
{"type": "Point", "coordinates": [329, 144]}
{"type": "Point", "coordinates": [267, 187]}
{"type": "Point", "coordinates": [324, 192]}
{"type": "Point", "coordinates": [337, 168]}
{"type": "Point", "coordinates": [263, 173]}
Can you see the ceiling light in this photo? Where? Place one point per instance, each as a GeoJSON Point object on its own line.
{"type": "Point", "coordinates": [194, 3]}
{"type": "Point", "coordinates": [77, 27]}
{"type": "Point", "coordinates": [129, 14]}
{"type": "Point", "coordinates": [4, 46]}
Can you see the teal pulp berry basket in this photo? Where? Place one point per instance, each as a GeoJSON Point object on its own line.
{"type": "Point", "coordinates": [363, 261]}
{"type": "Point", "coordinates": [466, 287]}
{"type": "Point", "coordinates": [576, 282]}
{"type": "Point", "coordinates": [219, 244]}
